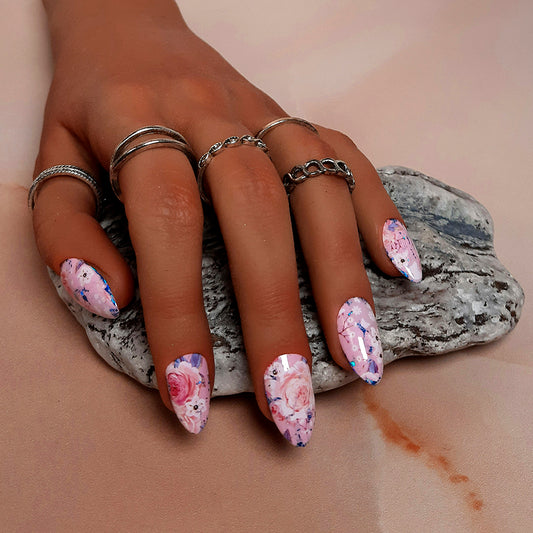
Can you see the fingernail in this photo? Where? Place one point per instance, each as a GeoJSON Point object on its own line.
{"type": "Point", "coordinates": [87, 286]}
{"type": "Point", "coordinates": [401, 250]}
{"type": "Point", "coordinates": [289, 392]}
{"type": "Point", "coordinates": [188, 387]}
{"type": "Point", "coordinates": [359, 338]}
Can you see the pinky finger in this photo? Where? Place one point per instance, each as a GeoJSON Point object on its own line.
{"type": "Point", "coordinates": [380, 223]}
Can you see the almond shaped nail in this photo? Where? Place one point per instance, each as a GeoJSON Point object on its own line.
{"type": "Point", "coordinates": [289, 392]}
{"type": "Point", "coordinates": [401, 250]}
{"type": "Point", "coordinates": [88, 288]}
{"type": "Point", "coordinates": [359, 337]}
{"type": "Point", "coordinates": [189, 390]}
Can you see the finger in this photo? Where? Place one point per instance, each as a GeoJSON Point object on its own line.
{"type": "Point", "coordinates": [69, 239]}
{"type": "Point", "coordinates": [254, 218]}
{"type": "Point", "coordinates": [165, 224]}
{"type": "Point", "coordinates": [380, 223]}
{"type": "Point", "coordinates": [328, 232]}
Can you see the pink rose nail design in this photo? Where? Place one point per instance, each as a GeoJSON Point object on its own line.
{"type": "Point", "coordinates": [289, 392]}
{"type": "Point", "coordinates": [188, 387]}
{"type": "Point", "coordinates": [88, 288]}
{"type": "Point", "coordinates": [359, 338]}
{"type": "Point", "coordinates": [401, 250]}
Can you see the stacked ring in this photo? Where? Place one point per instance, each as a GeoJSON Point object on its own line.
{"type": "Point", "coordinates": [122, 152]}
{"type": "Point", "coordinates": [65, 170]}
{"type": "Point", "coordinates": [230, 142]}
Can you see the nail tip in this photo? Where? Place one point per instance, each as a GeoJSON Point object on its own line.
{"type": "Point", "coordinates": [370, 380]}
{"type": "Point", "coordinates": [298, 440]}
{"type": "Point", "coordinates": [192, 430]}
{"type": "Point", "coordinates": [414, 278]}
{"type": "Point", "coordinates": [112, 314]}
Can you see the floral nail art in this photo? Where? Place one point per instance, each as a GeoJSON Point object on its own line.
{"type": "Point", "coordinates": [86, 285]}
{"type": "Point", "coordinates": [401, 250]}
{"type": "Point", "coordinates": [359, 338]}
{"type": "Point", "coordinates": [188, 387]}
{"type": "Point", "coordinates": [289, 392]}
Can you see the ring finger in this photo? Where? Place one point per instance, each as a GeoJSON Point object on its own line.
{"type": "Point", "coordinates": [327, 227]}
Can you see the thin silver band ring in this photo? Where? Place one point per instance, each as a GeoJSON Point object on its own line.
{"type": "Point", "coordinates": [278, 122]}
{"type": "Point", "coordinates": [70, 171]}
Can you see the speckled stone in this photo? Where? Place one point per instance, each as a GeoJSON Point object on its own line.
{"type": "Point", "coordinates": [466, 297]}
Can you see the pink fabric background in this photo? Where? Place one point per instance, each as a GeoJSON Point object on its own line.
{"type": "Point", "coordinates": [441, 444]}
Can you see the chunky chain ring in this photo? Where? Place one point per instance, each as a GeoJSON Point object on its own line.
{"type": "Point", "coordinates": [317, 167]}
{"type": "Point", "coordinates": [217, 148]}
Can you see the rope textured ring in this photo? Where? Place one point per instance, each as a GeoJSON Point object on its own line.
{"type": "Point", "coordinates": [65, 170]}
{"type": "Point", "coordinates": [230, 142]}
{"type": "Point", "coordinates": [316, 167]}
{"type": "Point", "coordinates": [122, 152]}
{"type": "Point", "coordinates": [284, 120]}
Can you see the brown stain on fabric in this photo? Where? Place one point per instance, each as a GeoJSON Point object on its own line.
{"type": "Point", "coordinates": [393, 433]}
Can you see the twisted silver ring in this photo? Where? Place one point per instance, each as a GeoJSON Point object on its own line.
{"type": "Point", "coordinates": [316, 167]}
{"type": "Point", "coordinates": [122, 153]}
{"type": "Point", "coordinates": [65, 170]}
{"type": "Point", "coordinates": [284, 120]}
{"type": "Point", "coordinates": [230, 142]}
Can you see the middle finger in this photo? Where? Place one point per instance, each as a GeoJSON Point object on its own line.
{"type": "Point", "coordinates": [254, 218]}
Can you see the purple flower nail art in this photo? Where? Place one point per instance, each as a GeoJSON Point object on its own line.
{"type": "Point", "coordinates": [359, 338]}
{"type": "Point", "coordinates": [401, 250]}
{"type": "Point", "coordinates": [86, 285]}
{"type": "Point", "coordinates": [188, 387]}
{"type": "Point", "coordinates": [289, 392]}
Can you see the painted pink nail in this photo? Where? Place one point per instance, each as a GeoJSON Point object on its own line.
{"type": "Point", "coordinates": [87, 286]}
{"type": "Point", "coordinates": [289, 392]}
{"type": "Point", "coordinates": [359, 338]}
{"type": "Point", "coordinates": [401, 250]}
{"type": "Point", "coordinates": [188, 387]}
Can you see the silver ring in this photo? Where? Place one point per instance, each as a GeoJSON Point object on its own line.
{"type": "Point", "coordinates": [316, 167]}
{"type": "Point", "coordinates": [65, 170]}
{"type": "Point", "coordinates": [218, 147]}
{"type": "Point", "coordinates": [122, 153]}
{"type": "Point", "coordinates": [284, 120]}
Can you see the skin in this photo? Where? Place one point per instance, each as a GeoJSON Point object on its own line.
{"type": "Point", "coordinates": [159, 72]}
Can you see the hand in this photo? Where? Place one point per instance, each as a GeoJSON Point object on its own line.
{"type": "Point", "coordinates": [124, 65]}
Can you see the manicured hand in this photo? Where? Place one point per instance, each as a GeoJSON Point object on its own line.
{"type": "Point", "coordinates": [123, 65]}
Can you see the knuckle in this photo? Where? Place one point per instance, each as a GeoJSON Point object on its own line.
{"type": "Point", "coordinates": [316, 145]}
{"type": "Point", "coordinates": [126, 95]}
{"type": "Point", "coordinates": [166, 206]}
{"type": "Point", "coordinates": [254, 184]}
{"type": "Point", "coordinates": [341, 140]}
{"type": "Point", "coordinates": [174, 304]}
{"type": "Point", "coordinates": [341, 251]}
{"type": "Point", "coordinates": [203, 93]}
{"type": "Point", "coordinates": [273, 302]}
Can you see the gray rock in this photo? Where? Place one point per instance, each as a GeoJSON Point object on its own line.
{"type": "Point", "coordinates": [466, 297]}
